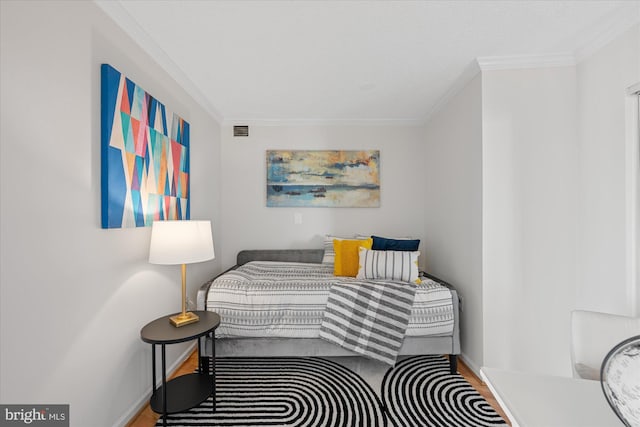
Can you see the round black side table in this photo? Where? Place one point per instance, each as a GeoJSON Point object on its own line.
{"type": "Point", "coordinates": [188, 390]}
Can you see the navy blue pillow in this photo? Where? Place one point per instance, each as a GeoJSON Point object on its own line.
{"type": "Point", "coordinates": [384, 244]}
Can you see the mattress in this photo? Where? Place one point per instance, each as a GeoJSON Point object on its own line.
{"type": "Point", "coordinates": [286, 299]}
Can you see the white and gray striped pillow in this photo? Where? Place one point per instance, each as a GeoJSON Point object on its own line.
{"type": "Point", "coordinates": [388, 265]}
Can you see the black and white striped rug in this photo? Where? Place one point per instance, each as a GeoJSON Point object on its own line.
{"type": "Point", "coordinates": [314, 392]}
{"type": "Point", "coordinates": [421, 391]}
{"type": "Point", "coordinates": [289, 391]}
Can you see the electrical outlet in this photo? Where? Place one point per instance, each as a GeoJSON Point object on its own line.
{"type": "Point", "coordinates": [460, 302]}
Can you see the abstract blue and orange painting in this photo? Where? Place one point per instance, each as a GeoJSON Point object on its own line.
{"type": "Point", "coordinates": [326, 178]}
{"type": "Point", "coordinates": [145, 158]}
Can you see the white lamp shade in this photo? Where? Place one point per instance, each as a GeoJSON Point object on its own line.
{"type": "Point", "coordinates": [180, 242]}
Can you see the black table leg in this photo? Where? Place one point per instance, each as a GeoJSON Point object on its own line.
{"type": "Point", "coordinates": [199, 357]}
{"type": "Point", "coordinates": [164, 387]}
{"type": "Point", "coordinates": [153, 368]}
{"type": "Point", "coordinates": [213, 368]}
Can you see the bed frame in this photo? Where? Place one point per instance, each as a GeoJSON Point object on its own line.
{"type": "Point", "coordinates": [278, 347]}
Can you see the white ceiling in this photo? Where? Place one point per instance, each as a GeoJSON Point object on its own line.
{"type": "Point", "coordinates": [353, 61]}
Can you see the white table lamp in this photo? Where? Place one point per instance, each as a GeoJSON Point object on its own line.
{"type": "Point", "coordinates": [181, 242]}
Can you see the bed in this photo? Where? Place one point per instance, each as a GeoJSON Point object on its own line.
{"type": "Point", "coordinates": [236, 339]}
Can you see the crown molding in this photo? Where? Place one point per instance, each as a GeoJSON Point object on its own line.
{"type": "Point", "coordinates": [616, 24]}
{"type": "Point", "coordinates": [519, 62]}
{"type": "Point", "coordinates": [619, 22]}
{"type": "Point", "coordinates": [460, 83]}
{"type": "Point", "coordinates": [130, 26]}
{"type": "Point", "coordinates": [491, 63]}
{"type": "Point", "coordinates": [324, 122]}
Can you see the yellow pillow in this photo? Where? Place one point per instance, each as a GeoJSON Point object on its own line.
{"type": "Point", "coordinates": [348, 256]}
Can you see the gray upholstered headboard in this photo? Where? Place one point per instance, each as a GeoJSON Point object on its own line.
{"type": "Point", "coordinates": [291, 255]}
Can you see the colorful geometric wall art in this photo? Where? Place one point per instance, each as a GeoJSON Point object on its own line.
{"type": "Point", "coordinates": [145, 157]}
{"type": "Point", "coordinates": [329, 178]}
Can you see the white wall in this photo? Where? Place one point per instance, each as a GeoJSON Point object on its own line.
{"type": "Point", "coordinates": [529, 212]}
{"type": "Point", "coordinates": [603, 263]}
{"type": "Point", "coordinates": [249, 224]}
{"type": "Point", "coordinates": [453, 212]}
{"type": "Point", "coordinates": [555, 189]}
{"type": "Point", "coordinates": [74, 296]}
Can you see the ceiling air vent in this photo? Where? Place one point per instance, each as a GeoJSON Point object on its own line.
{"type": "Point", "coordinates": [241, 131]}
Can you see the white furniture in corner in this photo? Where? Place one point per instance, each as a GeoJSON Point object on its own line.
{"type": "Point", "coordinates": [593, 335]}
{"type": "Point", "coordinates": [533, 400]}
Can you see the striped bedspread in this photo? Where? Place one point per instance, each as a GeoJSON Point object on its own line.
{"type": "Point", "coordinates": [288, 300]}
{"type": "Point", "coordinates": [369, 318]}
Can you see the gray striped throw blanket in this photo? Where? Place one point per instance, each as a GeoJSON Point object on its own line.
{"type": "Point", "coordinates": [368, 317]}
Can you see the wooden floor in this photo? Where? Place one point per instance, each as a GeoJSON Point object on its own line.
{"type": "Point", "coordinates": [148, 418]}
{"type": "Point", "coordinates": [481, 387]}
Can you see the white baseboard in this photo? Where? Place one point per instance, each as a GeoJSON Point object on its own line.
{"type": "Point", "coordinates": [127, 417]}
{"type": "Point", "coordinates": [471, 364]}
